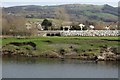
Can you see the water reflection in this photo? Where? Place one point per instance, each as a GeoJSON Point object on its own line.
{"type": "Point", "coordinates": [34, 60]}
{"type": "Point", "coordinates": [0, 67]}
{"type": "Point", "coordinates": [57, 68]}
{"type": "Point", "coordinates": [28, 60]}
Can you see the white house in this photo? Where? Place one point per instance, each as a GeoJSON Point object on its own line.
{"type": "Point", "coordinates": [40, 27]}
{"type": "Point", "coordinates": [28, 26]}
{"type": "Point", "coordinates": [68, 27]}
{"type": "Point", "coordinates": [107, 28]}
{"type": "Point", "coordinates": [91, 27]}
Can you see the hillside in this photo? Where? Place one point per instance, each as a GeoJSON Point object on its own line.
{"type": "Point", "coordinates": [69, 12]}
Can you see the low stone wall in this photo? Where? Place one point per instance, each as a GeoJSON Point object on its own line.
{"type": "Point", "coordinates": [92, 33]}
{"type": "Point", "coordinates": [81, 33]}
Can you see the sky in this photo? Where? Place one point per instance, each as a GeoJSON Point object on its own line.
{"type": "Point", "coordinates": [9, 3]}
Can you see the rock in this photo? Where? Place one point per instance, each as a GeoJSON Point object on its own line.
{"type": "Point", "coordinates": [114, 50]}
{"type": "Point", "coordinates": [118, 57]}
{"type": "Point", "coordinates": [51, 54]}
{"type": "Point", "coordinates": [101, 58]}
{"type": "Point", "coordinates": [108, 54]}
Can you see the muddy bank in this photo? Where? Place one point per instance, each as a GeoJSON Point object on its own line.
{"type": "Point", "coordinates": [49, 55]}
{"type": "Point", "coordinates": [106, 54]}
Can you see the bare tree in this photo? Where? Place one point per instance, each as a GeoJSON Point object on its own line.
{"type": "Point", "coordinates": [13, 25]}
{"type": "Point", "coordinates": [61, 13]}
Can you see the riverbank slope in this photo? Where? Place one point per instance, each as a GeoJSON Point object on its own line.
{"type": "Point", "coordinates": [62, 47]}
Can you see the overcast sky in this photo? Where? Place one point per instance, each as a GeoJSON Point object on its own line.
{"type": "Point", "coordinates": [8, 3]}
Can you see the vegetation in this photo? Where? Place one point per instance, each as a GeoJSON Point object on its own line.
{"type": "Point", "coordinates": [46, 23]}
{"type": "Point", "coordinates": [61, 45]}
{"type": "Point", "coordinates": [25, 21]}
{"type": "Point", "coordinates": [14, 19]}
{"type": "Point", "coordinates": [69, 12]}
{"type": "Point", "coordinates": [14, 25]}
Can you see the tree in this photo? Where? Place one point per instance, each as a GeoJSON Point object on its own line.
{"type": "Point", "coordinates": [46, 23]}
{"type": "Point", "coordinates": [13, 25]}
{"type": "Point", "coordinates": [62, 15]}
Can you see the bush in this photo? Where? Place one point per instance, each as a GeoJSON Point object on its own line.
{"type": "Point", "coordinates": [75, 49]}
{"type": "Point", "coordinates": [62, 51]}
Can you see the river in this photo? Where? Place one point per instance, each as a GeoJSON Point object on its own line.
{"type": "Point", "coordinates": [56, 68]}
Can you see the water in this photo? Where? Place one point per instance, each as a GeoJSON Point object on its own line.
{"type": "Point", "coordinates": [0, 67]}
{"type": "Point", "coordinates": [55, 68]}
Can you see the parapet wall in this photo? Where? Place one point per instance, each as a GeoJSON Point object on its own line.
{"type": "Point", "coordinates": [79, 33]}
{"type": "Point", "coordinates": [92, 33]}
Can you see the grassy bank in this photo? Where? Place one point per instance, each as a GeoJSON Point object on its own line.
{"type": "Point", "coordinates": [60, 45]}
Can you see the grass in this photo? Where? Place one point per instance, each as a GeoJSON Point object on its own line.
{"type": "Point", "coordinates": [57, 21]}
{"type": "Point", "coordinates": [79, 44]}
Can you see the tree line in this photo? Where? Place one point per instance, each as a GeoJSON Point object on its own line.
{"type": "Point", "coordinates": [14, 25]}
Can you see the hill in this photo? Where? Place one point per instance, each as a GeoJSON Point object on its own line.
{"type": "Point", "coordinates": [68, 12]}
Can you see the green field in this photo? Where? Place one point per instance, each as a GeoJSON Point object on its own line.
{"type": "Point", "coordinates": [88, 45]}
{"type": "Point", "coordinates": [55, 22]}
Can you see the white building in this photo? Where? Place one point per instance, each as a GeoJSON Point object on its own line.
{"type": "Point", "coordinates": [28, 26]}
{"type": "Point", "coordinates": [39, 27]}
{"type": "Point", "coordinates": [91, 27]}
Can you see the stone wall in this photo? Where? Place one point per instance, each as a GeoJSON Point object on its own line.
{"type": "Point", "coordinates": [81, 33]}
{"type": "Point", "coordinates": [91, 33]}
